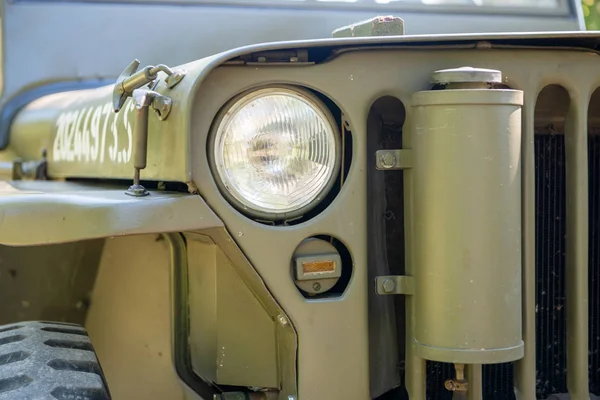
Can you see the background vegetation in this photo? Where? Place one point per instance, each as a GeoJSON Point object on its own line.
{"type": "Point", "coordinates": [591, 11]}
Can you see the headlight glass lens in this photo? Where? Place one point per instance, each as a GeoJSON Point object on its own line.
{"type": "Point", "coordinates": [276, 151]}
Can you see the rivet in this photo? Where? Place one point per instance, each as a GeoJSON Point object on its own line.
{"type": "Point", "coordinates": [282, 320]}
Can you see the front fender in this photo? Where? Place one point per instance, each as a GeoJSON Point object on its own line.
{"type": "Point", "coordinates": [39, 213]}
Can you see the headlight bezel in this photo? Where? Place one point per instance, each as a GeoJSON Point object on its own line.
{"type": "Point", "coordinates": [237, 102]}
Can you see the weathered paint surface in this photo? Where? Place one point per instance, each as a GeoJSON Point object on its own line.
{"type": "Point", "coordinates": [94, 134]}
{"type": "Point", "coordinates": [86, 138]}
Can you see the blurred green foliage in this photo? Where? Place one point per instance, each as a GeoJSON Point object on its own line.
{"type": "Point", "coordinates": [591, 12]}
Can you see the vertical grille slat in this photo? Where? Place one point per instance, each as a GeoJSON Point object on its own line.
{"type": "Point", "coordinates": [551, 332]}
{"type": "Point", "coordinates": [594, 262]}
{"type": "Point", "coordinates": [474, 373]}
{"type": "Point", "coordinates": [577, 246]}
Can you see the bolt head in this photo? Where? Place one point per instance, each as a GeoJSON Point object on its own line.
{"type": "Point", "coordinates": [388, 160]}
{"type": "Point", "coordinates": [388, 286]}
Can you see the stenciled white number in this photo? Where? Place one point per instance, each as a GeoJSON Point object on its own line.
{"type": "Point", "coordinates": [91, 134]}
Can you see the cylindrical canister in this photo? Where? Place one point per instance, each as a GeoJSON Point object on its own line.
{"type": "Point", "coordinates": [467, 221]}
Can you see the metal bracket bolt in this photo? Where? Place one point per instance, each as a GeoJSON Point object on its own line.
{"type": "Point", "coordinates": [388, 160]}
{"type": "Point", "coordinates": [392, 160]}
{"type": "Point", "coordinates": [388, 286]}
{"type": "Point", "coordinates": [395, 284]}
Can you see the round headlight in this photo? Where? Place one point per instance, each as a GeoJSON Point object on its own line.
{"type": "Point", "coordinates": [276, 152]}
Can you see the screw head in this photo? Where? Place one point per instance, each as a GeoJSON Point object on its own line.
{"type": "Point", "coordinates": [388, 286]}
{"type": "Point", "coordinates": [316, 286]}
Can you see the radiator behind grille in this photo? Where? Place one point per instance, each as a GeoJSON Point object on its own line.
{"type": "Point", "coordinates": [550, 226]}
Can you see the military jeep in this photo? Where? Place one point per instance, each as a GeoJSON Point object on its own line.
{"type": "Point", "coordinates": [409, 209]}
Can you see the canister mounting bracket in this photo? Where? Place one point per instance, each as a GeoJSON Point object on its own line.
{"type": "Point", "coordinates": [393, 160]}
{"type": "Point", "coordinates": [395, 284]}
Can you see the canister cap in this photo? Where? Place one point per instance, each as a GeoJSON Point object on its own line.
{"type": "Point", "coordinates": [466, 75]}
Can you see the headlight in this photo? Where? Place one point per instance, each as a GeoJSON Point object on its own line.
{"type": "Point", "coordinates": [276, 152]}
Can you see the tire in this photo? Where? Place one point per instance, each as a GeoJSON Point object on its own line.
{"type": "Point", "coordinates": [49, 361]}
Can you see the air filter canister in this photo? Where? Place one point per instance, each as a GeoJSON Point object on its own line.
{"type": "Point", "coordinates": [467, 218]}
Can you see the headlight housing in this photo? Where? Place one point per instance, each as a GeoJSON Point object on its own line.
{"type": "Point", "coordinates": [275, 152]}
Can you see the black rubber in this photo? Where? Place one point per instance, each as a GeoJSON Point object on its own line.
{"type": "Point", "coordinates": [49, 361]}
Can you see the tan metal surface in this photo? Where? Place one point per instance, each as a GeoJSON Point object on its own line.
{"type": "Point", "coordinates": [347, 86]}
{"type": "Point", "coordinates": [33, 213]}
{"type": "Point", "coordinates": [89, 135]}
{"type": "Point", "coordinates": [129, 320]}
{"type": "Point", "coordinates": [232, 337]}
{"type": "Point", "coordinates": [343, 321]}
{"type": "Point", "coordinates": [162, 164]}
{"type": "Point", "coordinates": [474, 378]}
{"type": "Point", "coordinates": [467, 236]}
{"type": "Point", "coordinates": [48, 283]}
{"type": "Point", "coordinates": [576, 151]}
{"type": "Point", "coordinates": [285, 331]}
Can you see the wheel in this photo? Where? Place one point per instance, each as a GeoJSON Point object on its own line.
{"type": "Point", "coordinates": [49, 361]}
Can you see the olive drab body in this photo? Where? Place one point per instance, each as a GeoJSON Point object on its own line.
{"type": "Point", "coordinates": [467, 213]}
{"type": "Point", "coordinates": [336, 210]}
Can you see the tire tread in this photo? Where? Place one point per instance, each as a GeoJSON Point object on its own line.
{"type": "Point", "coordinates": [45, 360]}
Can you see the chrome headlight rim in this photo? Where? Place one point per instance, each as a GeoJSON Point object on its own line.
{"type": "Point", "coordinates": [236, 103]}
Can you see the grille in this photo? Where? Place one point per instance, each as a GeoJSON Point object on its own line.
{"type": "Point", "coordinates": [553, 264]}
